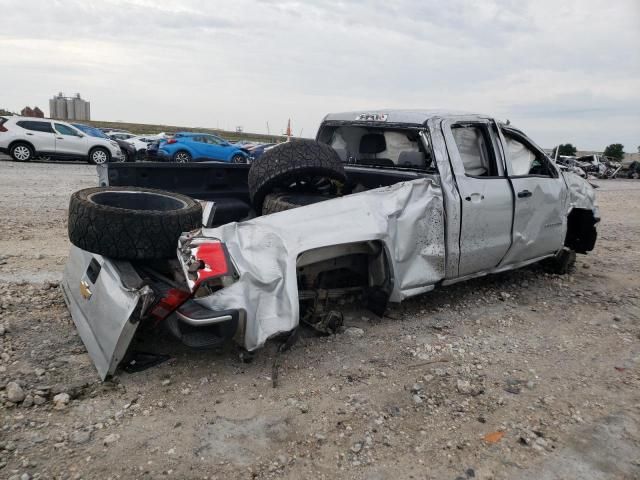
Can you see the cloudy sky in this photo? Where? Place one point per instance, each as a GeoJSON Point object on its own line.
{"type": "Point", "coordinates": [563, 71]}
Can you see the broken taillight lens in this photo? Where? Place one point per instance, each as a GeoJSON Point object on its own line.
{"type": "Point", "coordinates": [206, 264]}
{"type": "Point", "coordinates": [169, 303]}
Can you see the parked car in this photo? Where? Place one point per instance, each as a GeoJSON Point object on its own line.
{"type": "Point", "coordinates": [382, 206]}
{"type": "Point", "coordinates": [27, 138]}
{"type": "Point", "coordinates": [152, 150]}
{"type": "Point", "coordinates": [187, 147]}
{"type": "Point", "coordinates": [128, 150]}
{"type": "Point", "coordinates": [122, 135]}
{"type": "Point", "coordinates": [108, 130]}
{"type": "Point", "coordinates": [257, 150]}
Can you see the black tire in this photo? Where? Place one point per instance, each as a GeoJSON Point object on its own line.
{"type": "Point", "coordinates": [99, 156]}
{"type": "Point", "coordinates": [279, 202]}
{"type": "Point", "coordinates": [238, 158]}
{"type": "Point", "coordinates": [299, 166]}
{"type": "Point", "coordinates": [21, 152]}
{"type": "Point", "coordinates": [562, 264]}
{"type": "Point", "coordinates": [182, 156]}
{"type": "Point", "coordinates": [131, 223]}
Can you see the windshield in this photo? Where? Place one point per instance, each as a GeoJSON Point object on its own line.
{"type": "Point", "coordinates": [377, 146]}
{"type": "Point", "coordinates": [92, 131]}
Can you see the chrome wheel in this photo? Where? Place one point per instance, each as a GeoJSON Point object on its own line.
{"type": "Point", "coordinates": [21, 153]}
{"type": "Point", "coordinates": [99, 157]}
{"type": "Point", "coordinates": [182, 157]}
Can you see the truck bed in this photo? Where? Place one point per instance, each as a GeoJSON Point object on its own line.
{"type": "Point", "coordinates": [226, 183]}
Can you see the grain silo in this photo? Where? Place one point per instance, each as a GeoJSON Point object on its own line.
{"type": "Point", "coordinates": [69, 108]}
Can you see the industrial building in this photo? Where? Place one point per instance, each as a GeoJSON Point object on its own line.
{"type": "Point", "coordinates": [69, 108]}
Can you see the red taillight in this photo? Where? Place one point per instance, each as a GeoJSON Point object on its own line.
{"type": "Point", "coordinates": [168, 304]}
{"type": "Point", "coordinates": [205, 263]}
{"type": "Point", "coordinates": [212, 260]}
{"type": "Point", "coordinates": [172, 140]}
{"type": "Point", "coordinates": [2, 127]}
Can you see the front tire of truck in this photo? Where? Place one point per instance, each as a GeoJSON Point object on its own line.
{"type": "Point", "coordinates": [562, 264]}
{"type": "Point", "coordinates": [131, 223]}
{"type": "Point", "coordinates": [300, 166]}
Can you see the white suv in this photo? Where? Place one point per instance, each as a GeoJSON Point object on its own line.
{"type": "Point", "coordinates": [27, 138]}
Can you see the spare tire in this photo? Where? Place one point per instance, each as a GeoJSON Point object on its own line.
{"type": "Point", "coordinates": [297, 166]}
{"type": "Point", "coordinates": [131, 223]}
{"type": "Point", "coordinates": [279, 202]}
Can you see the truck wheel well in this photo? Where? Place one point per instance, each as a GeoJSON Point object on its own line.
{"type": "Point", "coordinates": [581, 230]}
{"type": "Point", "coordinates": [341, 270]}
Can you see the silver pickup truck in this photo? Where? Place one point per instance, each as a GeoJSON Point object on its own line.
{"type": "Point", "coordinates": [383, 206]}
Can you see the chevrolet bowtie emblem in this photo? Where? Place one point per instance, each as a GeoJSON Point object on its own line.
{"type": "Point", "coordinates": [85, 291]}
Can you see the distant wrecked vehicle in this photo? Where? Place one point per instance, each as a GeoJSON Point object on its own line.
{"type": "Point", "coordinates": [383, 206]}
{"type": "Point", "coordinates": [186, 147]}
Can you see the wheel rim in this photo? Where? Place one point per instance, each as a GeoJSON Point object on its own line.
{"type": "Point", "coordinates": [99, 157]}
{"type": "Point", "coordinates": [182, 157]}
{"type": "Point", "coordinates": [238, 159]}
{"type": "Point", "coordinates": [21, 152]}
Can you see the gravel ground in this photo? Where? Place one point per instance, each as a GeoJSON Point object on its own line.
{"type": "Point", "coordinates": [520, 375]}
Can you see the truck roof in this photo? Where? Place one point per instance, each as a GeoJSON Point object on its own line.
{"type": "Point", "coordinates": [414, 117]}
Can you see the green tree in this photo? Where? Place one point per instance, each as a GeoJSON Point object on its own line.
{"type": "Point", "coordinates": [5, 112]}
{"type": "Point", "coordinates": [567, 149]}
{"type": "Point", "coordinates": [615, 150]}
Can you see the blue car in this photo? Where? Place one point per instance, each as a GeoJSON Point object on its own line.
{"type": "Point", "coordinates": [201, 147]}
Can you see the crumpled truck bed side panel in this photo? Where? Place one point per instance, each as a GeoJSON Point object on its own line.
{"type": "Point", "coordinates": [406, 217]}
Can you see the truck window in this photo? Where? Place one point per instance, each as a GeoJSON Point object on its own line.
{"type": "Point", "coordinates": [378, 146]}
{"type": "Point", "coordinates": [524, 160]}
{"type": "Point", "coordinates": [475, 150]}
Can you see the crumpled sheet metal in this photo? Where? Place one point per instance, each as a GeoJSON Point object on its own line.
{"type": "Point", "coordinates": [581, 194]}
{"type": "Point", "coordinates": [453, 211]}
{"type": "Point", "coordinates": [407, 217]}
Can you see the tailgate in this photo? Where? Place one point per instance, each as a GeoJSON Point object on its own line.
{"type": "Point", "coordinates": [105, 298]}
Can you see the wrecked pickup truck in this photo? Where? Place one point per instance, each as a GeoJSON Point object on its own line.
{"type": "Point", "coordinates": [381, 206]}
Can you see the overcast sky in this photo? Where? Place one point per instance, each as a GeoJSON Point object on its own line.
{"type": "Point", "coordinates": [562, 70]}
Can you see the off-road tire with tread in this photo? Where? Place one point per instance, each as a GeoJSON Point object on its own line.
{"type": "Point", "coordinates": [280, 202]}
{"type": "Point", "coordinates": [116, 222]}
{"type": "Point", "coordinates": [299, 165]}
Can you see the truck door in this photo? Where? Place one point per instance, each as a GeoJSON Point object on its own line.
{"type": "Point", "coordinates": [485, 194]}
{"type": "Point", "coordinates": [539, 223]}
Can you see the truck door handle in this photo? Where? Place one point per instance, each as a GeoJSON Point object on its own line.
{"type": "Point", "coordinates": [474, 197]}
{"type": "Point", "coordinates": [524, 194]}
{"type": "Point", "coordinates": [29, 133]}
{"type": "Point", "coordinates": [60, 138]}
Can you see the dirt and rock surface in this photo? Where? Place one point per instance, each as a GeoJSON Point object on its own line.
{"type": "Point", "coordinates": [516, 376]}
